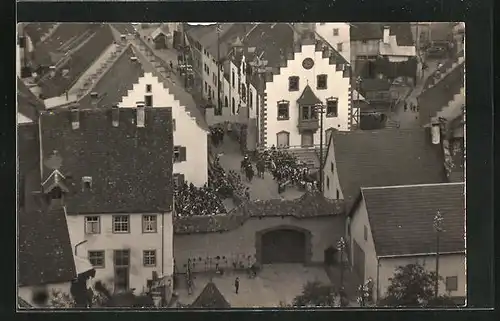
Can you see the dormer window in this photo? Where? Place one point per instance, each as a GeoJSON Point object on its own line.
{"type": "Point", "coordinates": [86, 183]}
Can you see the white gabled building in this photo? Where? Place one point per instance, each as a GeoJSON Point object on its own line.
{"type": "Point", "coordinates": [337, 34]}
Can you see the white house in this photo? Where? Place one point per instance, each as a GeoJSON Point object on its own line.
{"type": "Point", "coordinates": [392, 226]}
{"type": "Point", "coordinates": [114, 178]}
{"type": "Point", "coordinates": [337, 34]}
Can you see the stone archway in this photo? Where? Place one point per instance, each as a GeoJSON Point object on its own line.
{"type": "Point", "coordinates": [284, 244]}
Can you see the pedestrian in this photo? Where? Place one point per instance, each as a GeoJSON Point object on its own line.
{"type": "Point", "coordinates": [237, 284]}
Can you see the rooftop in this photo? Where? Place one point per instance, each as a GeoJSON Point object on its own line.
{"type": "Point", "coordinates": [112, 157]}
{"type": "Point", "coordinates": [27, 103]}
{"type": "Point", "coordinates": [401, 218]}
{"type": "Point", "coordinates": [308, 97]}
{"type": "Point", "coordinates": [307, 206]}
{"type": "Point", "coordinates": [386, 157]}
{"type": "Point", "coordinates": [375, 31]}
{"type": "Point", "coordinates": [211, 298]}
{"type": "Point", "coordinates": [45, 253]}
{"type": "Point", "coordinates": [36, 31]}
{"type": "Point", "coordinates": [72, 55]}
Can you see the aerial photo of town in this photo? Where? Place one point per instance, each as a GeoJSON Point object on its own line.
{"type": "Point", "coordinates": [240, 165]}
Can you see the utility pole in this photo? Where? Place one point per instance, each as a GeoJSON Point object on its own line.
{"type": "Point", "coordinates": [219, 83]}
{"type": "Point", "coordinates": [341, 245]}
{"type": "Point", "coordinates": [438, 227]}
{"type": "Point", "coordinates": [320, 110]}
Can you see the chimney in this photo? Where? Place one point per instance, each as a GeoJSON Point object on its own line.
{"type": "Point", "coordinates": [75, 118]}
{"type": "Point", "coordinates": [115, 116]}
{"type": "Point", "coordinates": [141, 114]}
{"type": "Point", "coordinates": [436, 133]}
{"type": "Point", "coordinates": [94, 98]}
{"type": "Point", "coordinates": [386, 34]}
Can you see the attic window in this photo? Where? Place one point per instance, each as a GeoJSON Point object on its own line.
{"type": "Point", "coordinates": [336, 31]}
{"type": "Point", "coordinates": [86, 183]}
{"type": "Point", "coordinates": [148, 88]}
{"type": "Point", "coordinates": [293, 83]}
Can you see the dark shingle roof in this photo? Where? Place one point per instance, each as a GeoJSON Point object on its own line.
{"type": "Point", "coordinates": [87, 47]}
{"type": "Point", "coordinates": [37, 30]}
{"type": "Point", "coordinates": [308, 97]}
{"type": "Point", "coordinates": [433, 99]}
{"type": "Point", "coordinates": [27, 103]}
{"type": "Point", "coordinates": [211, 298]}
{"type": "Point", "coordinates": [307, 206]}
{"type": "Point", "coordinates": [386, 157]}
{"type": "Point", "coordinates": [117, 81]}
{"type": "Point", "coordinates": [375, 30]}
{"type": "Point", "coordinates": [130, 167]}
{"type": "Point", "coordinates": [45, 253]}
{"type": "Point", "coordinates": [401, 218]}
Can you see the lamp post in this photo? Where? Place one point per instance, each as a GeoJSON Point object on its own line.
{"type": "Point", "coordinates": [341, 244]}
{"type": "Point", "coordinates": [320, 110]}
{"type": "Point", "coordinates": [438, 227]}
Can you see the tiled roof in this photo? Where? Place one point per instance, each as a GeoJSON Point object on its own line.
{"type": "Point", "coordinates": [307, 206]}
{"type": "Point", "coordinates": [386, 157]}
{"type": "Point", "coordinates": [433, 99]}
{"type": "Point", "coordinates": [308, 97]}
{"type": "Point", "coordinates": [37, 30]}
{"type": "Point", "coordinates": [375, 30]}
{"type": "Point", "coordinates": [84, 50]}
{"type": "Point", "coordinates": [211, 298]}
{"type": "Point", "coordinates": [124, 28]}
{"type": "Point", "coordinates": [28, 155]}
{"type": "Point", "coordinates": [374, 84]}
{"type": "Point", "coordinates": [27, 103]}
{"type": "Point", "coordinates": [117, 81]}
{"type": "Point", "coordinates": [45, 253]}
{"type": "Point", "coordinates": [130, 167]}
{"type": "Point", "coordinates": [401, 218]}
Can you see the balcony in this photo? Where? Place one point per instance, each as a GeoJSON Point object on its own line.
{"type": "Point", "coordinates": [308, 125]}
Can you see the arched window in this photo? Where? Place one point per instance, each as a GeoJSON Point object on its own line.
{"type": "Point", "coordinates": [243, 93]}
{"type": "Point", "coordinates": [233, 107]}
{"type": "Point", "coordinates": [226, 102]}
{"type": "Point", "coordinates": [283, 139]}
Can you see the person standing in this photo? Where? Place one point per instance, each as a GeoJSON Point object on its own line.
{"type": "Point", "coordinates": [237, 284]}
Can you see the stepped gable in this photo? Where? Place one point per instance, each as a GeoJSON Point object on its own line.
{"type": "Point", "coordinates": [158, 67]}
{"type": "Point", "coordinates": [27, 103]}
{"type": "Point", "coordinates": [116, 82]}
{"type": "Point", "coordinates": [211, 298]}
{"type": "Point", "coordinates": [309, 205]}
{"type": "Point", "coordinates": [72, 51]}
{"type": "Point", "coordinates": [36, 31]}
{"type": "Point", "coordinates": [401, 218]}
{"type": "Point", "coordinates": [386, 157]}
{"type": "Point", "coordinates": [435, 98]}
{"type": "Point", "coordinates": [45, 252]}
{"type": "Point", "coordinates": [113, 156]}
{"type": "Point", "coordinates": [375, 31]}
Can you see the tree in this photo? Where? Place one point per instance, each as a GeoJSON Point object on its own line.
{"type": "Point", "coordinates": [316, 294]}
{"type": "Point", "coordinates": [413, 286]}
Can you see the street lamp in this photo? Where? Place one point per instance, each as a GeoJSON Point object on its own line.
{"type": "Point", "coordinates": [341, 245]}
{"type": "Point", "coordinates": [438, 227]}
{"type": "Point", "coordinates": [320, 109]}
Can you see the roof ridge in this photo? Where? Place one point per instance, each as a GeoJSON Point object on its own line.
{"type": "Point", "coordinates": [412, 185]}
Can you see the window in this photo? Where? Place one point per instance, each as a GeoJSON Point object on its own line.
{"type": "Point", "coordinates": [239, 85]}
{"type": "Point", "coordinates": [97, 259]}
{"type": "Point", "coordinates": [339, 46]}
{"type": "Point", "coordinates": [308, 113]}
{"type": "Point", "coordinates": [451, 283]}
{"type": "Point", "coordinates": [179, 154]}
{"type": "Point", "coordinates": [328, 182]}
{"type": "Point", "coordinates": [250, 98]}
{"type": "Point", "coordinates": [209, 90]}
{"type": "Point", "coordinates": [233, 106]}
{"type": "Point", "coordinates": [283, 110]}
{"type": "Point", "coordinates": [336, 31]}
{"type": "Point", "coordinates": [149, 257]}
{"type": "Point", "coordinates": [233, 82]}
{"type": "Point", "coordinates": [149, 224]}
{"type": "Point", "coordinates": [243, 93]}
{"type": "Point", "coordinates": [293, 83]}
{"type": "Point", "coordinates": [321, 81]}
{"type": "Point", "coordinates": [338, 194]}
{"type": "Point", "coordinates": [206, 86]}
{"type": "Point", "coordinates": [226, 102]}
{"type": "Point", "coordinates": [121, 224]}
{"type": "Point", "coordinates": [178, 180]}
{"type": "Point", "coordinates": [365, 233]}
{"type": "Point", "coordinates": [92, 225]}
{"type": "Point", "coordinates": [243, 67]}
{"type": "Point", "coordinates": [331, 167]}
{"type": "Point", "coordinates": [332, 107]}
{"type": "Point", "coordinates": [148, 88]}
{"type": "Point", "coordinates": [148, 101]}
{"type": "Point", "coordinates": [339, 67]}
{"type": "Point", "coordinates": [86, 183]}
{"type": "Point", "coordinates": [214, 78]}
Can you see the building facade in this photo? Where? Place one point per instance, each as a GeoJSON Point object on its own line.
{"type": "Point", "coordinates": [337, 34]}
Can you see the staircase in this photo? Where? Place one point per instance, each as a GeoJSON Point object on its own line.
{"type": "Point", "coordinates": [110, 56]}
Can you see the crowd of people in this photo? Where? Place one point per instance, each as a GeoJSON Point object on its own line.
{"type": "Point", "coordinates": [217, 134]}
{"type": "Point", "coordinates": [191, 200]}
